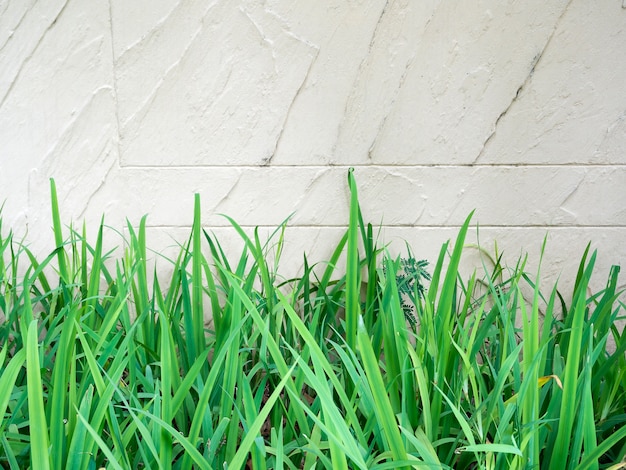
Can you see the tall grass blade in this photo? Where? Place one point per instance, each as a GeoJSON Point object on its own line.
{"type": "Point", "coordinates": [37, 416]}
{"type": "Point", "coordinates": [112, 461]}
{"type": "Point", "coordinates": [167, 373]}
{"type": "Point", "coordinates": [197, 333]}
{"type": "Point", "coordinates": [353, 289]}
{"type": "Point", "coordinates": [383, 409]}
{"type": "Point", "coordinates": [443, 322]}
{"type": "Point", "coordinates": [57, 399]}
{"type": "Point", "coordinates": [238, 460]}
{"type": "Point", "coordinates": [58, 233]}
{"type": "Point", "coordinates": [560, 456]}
{"type": "Point", "coordinates": [7, 382]}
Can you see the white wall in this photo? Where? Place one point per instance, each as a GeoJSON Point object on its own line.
{"type": "Point", "coordinates": [514, 108]}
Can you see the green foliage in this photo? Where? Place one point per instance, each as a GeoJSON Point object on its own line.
{"type": "Point", "coordinates": [385, 366]}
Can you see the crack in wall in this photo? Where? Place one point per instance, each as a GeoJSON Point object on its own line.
{"type": "Point", "coordinates": [266, 161]}
{"type": "Point", "coordinates": [394, 173]}
{"type": "Point", "coordinates": [17, 26]}
{"type": "Point", "coordinates": [262, 34]}
{"type": "Point", "coordinates": [523, 85]}
{"type": "Point", "coordinates": [457, 202]}
{"type": "Point", "coordinates": [572, 193]}
{"type": "Point", "coordinates": [230, 190]}
{"type": "Point", "coordinates": [307, 191]}
{"type": "Point", "coordinates": [407, 68]}
{"type": "Point", "coordinates": [101, 184]}
{"type": "Point", "coordinates": [30, 55]}
{"type": "Point", "coordinates": [614, 127]}
{"type": "Point", "coordinates": [65, 134]}
{"type": "Point", "coordinates": [161, 24]}
{"type": "Point", "coordinates": [359, 73]}
{"type": "Point", "coordinates": [144, 108]}
{"type": "Point", "coordinates": [500, 116]}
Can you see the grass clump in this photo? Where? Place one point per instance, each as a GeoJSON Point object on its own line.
{"type": "Point", "coordinates": [386, 366]}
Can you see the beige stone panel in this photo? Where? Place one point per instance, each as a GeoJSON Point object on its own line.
{"type": "Point", "coordinates": [467, 67]}
{"type": "Point", "coordinates": [349, 36]}
{"type": "Point", "coordinates": [397, 44]}
{"type": "Point", "coordinates": [57, 113]}
{"type": "Point", "coordinates": [573, 107]}
{"type": "Point", "coordinates": [23, 27]}
{"type": "Point", "coordinates": [210, 83]}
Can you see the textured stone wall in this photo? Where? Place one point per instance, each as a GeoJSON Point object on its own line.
{"type": "Point", "coordinates": [514, 108]}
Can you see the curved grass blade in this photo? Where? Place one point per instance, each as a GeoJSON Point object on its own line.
{"type": "Point", "coordinates": [112, 461]}
{"type": "Point", "coordinates": [561, 456]}
{"type": "Point", "coordinates": [383, 408]}
{"type": "Point", "coordinates": [7, 382]}
{"type": "Point", "coordinates": [76, 449]}
{"type": "Point", "coordinates": [248, 441]}
{"type": "Point", "coordinates": [182, 440]}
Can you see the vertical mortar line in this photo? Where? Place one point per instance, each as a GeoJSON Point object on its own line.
{"type": "Point", "coordinates": [114, 88]}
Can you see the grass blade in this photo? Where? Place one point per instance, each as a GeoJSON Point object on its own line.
{"type": "Point", "coordinates": [383, 408]}
{"type": "Point", "coordinates": [37, 415]}
{"type": "Point", "coordinates": [353, 286]}
{"type": "Point", "coordinates": [238, 460]}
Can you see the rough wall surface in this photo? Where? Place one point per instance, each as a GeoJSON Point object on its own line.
{"type": "Point", "coordinates": [514, 108]}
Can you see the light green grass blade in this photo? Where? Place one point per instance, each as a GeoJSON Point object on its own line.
{"type": "Point", "coordinates": [424, 447]}
{"type": "Point", "coordinates": [443, 324]}
{"type": "Point", "coordinates": [77, 451]}
{"type": "Point", "coordinates": [353, 286]}
{"type": "Point", "coordinates": [101, 444]}
{"type": "Point", "coordinates": [57, 399]}
{"type": "Point", "coordinates": [167, 372]}
{"type": "Point", "coordinates": [586, 417]}
{"type": "Point", "coordinates": [276, 440]}
{"type": "Point", "coordinates": [250, 409]}
{"type": "Point", "coordinates": [394, 334]}
{"type": "Point", "coordinates": [58, 233]}
{"type": "Point", "coordinates": [560, 456]}
{"type": "Point", "coordinates": [39, 444]}
{"type": "Point", "coordinates": [190, 449]}
{"type": "Point", "coordinates": [197, 334]}
{"type": "Point", "coordinates": [341, 441]}
{"type": "Point", "coordinates": [316, 352]}
{"type": "Point", "coordinates": [383, 408]}
{"type": "Point", "coordinates": [591, 458]}
{"type": "Point", "coordinates": [530, 402]}
{"type": "Point", "coordinates": [248, 441]}
{"type": "Point", "coordinates": [272, 345]}
{"type": "Point", "coordinates": [495, 448]}
{"type": "Point", "coordinates": [7, 381]}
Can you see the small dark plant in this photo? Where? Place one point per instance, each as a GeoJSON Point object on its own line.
{"type": "Point", "coordinates": [411, 280]}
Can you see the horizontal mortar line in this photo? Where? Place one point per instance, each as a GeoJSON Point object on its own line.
{"type": "Point", "coordinates": [428, 226]}
{"type": "Point", "coordinates": [398, 166]}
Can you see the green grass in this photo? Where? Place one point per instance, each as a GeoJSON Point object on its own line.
{"type": "Point", "coordinates": [378, 363]}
